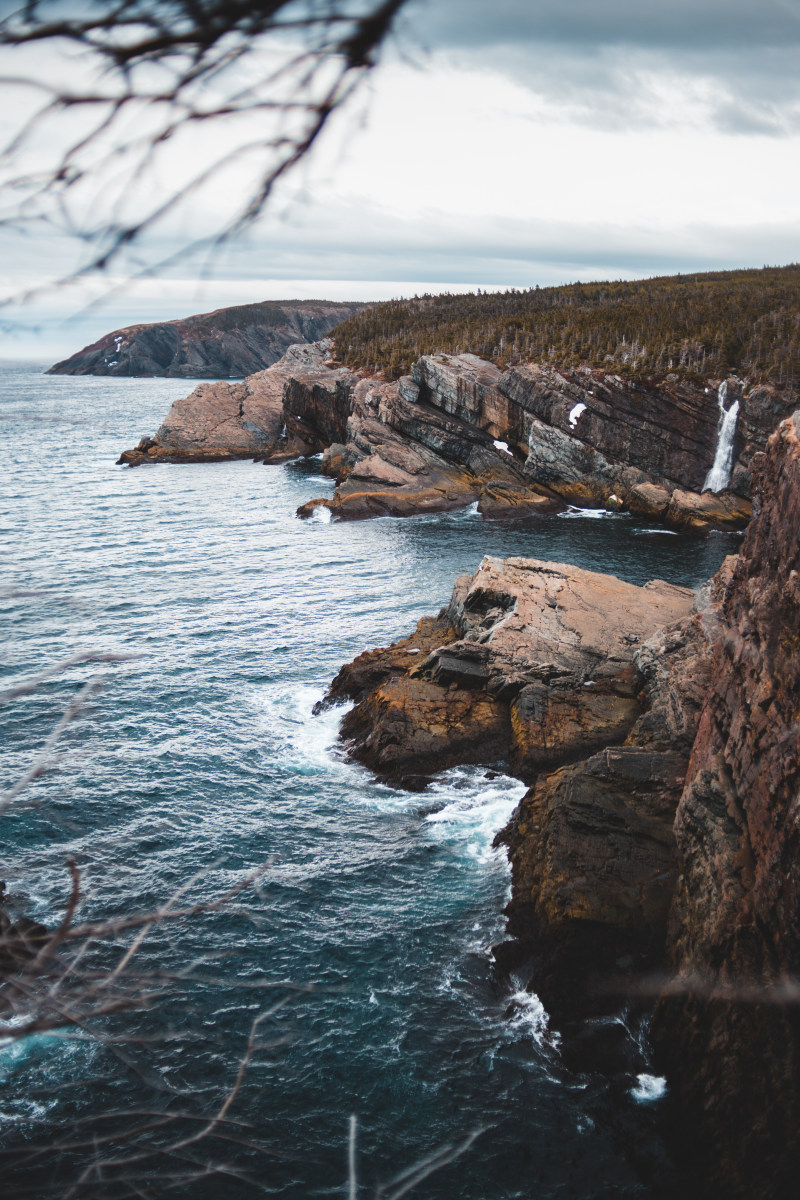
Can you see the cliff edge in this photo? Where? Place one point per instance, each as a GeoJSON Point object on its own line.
{"type": "Point", "coordinates": [728, 1026]}
{"type": "Point", "coordinates": [458, 430]}
{"type": "Point", "coordinates": [657, 849]}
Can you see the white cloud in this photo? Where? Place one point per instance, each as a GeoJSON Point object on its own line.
{"type": "Point", "coordinates": [543, 162]}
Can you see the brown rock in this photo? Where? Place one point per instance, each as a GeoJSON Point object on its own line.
{"type": "Point", "coordinates": [711, 510]}
{"type": "Point", "coordinates": [593, 866]}
{"type": "Point", "coordinates": [403, 457]}
{"type": "Point", "coordinates": [539, 666]}
{"type": "Point", "coordinates": [252, 419]}
{"type": "Point", "coordinates": [728, 1028]}
{"type": "Point", "coordinates": [592, 847]}
{"type": "Point", "coordinates": [648, 500]}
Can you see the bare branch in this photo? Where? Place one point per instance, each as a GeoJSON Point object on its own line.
{"type": "Point", "coordinates": [317, 54]}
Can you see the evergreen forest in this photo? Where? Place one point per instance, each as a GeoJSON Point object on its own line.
{"type": "Point", "coordinates": [745, 322]}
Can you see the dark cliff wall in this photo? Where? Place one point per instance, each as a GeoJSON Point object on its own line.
{"type": "Point", "coordinates": [674, 847]}
{"type": "Point", "coordinates": [730, 1034]}
{"type": "Point", "coordinates": [590, 432]}
{"type": "Point", "coordinates": [228, 342]}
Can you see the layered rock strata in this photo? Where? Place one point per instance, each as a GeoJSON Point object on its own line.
{"type": "Point", "coordinates": [584, 437]}
{"type": "Point", "coordinates": [459, 431]}
{"type": "Point", "coordinates": [530, 664]}
{"type": "Point", "coordinates": [228, 342]}
{"type": "Point", "coordinates": [400, 457]}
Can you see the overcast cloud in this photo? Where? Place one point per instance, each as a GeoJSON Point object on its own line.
{"type": "Point", "coordinates": [503, 144]}
{"type": "Point", "coordinates": [655, 24]}
{"type": "Point", "coordinates": [604, 59]}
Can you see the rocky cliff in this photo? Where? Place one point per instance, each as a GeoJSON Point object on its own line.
{"type": "Point", "coordinates": [295, 407]}
{"type": "Point", "coordinates": [227, 342]}
{"type": "Point", "coordinates": [728, 1026]}
{"type": "Point", "coordinates": [458, 430]}
{"type": "Point", "coordinates": [534, 664]}
{"type": "Point", "coordinates": [660, 834]}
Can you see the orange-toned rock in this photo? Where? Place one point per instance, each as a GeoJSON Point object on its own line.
{"type": "Point", "coordinates": [591, 846]}
{"type": "Point", "coordinates": [538, 667]}
{"type": "Point", "coordinates": [254, 418]}
{"type": "Point", "coordinates": [648, 500]}
{"type": "Point", "coordinates": [709, 510]}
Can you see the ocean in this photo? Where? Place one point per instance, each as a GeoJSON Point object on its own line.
{"type": "Point", "coordinates": [385, 1055]}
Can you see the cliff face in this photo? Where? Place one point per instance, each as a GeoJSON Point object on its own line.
{"type": "Point", "coordinates": [590, 435]}
{"type": "Point", "coordinates": [458, 430]}
{"type": "Point", "coordinates": [228, 342]}
{"type": "Point", "coordinates": [728, 1028]}
{"type": "Point", "coordinates": [401, 457]}
{"type": "Point", "coordinates": [534, 663]}
{"type": "Point", "coordinates": [661, 832]}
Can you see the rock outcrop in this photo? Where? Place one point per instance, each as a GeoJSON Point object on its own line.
{"type": "Point", "coordinates": [459, 429]}
{"type": "Point", "coordinates": [402, 457]}
{"type": "Point", "coordinates": [217, 345]}
{"type": "Point", "coordinates": [534, 663]}
{"type": "Point", "coordinates": [296, 407]}
{"type": "Point", "coordinates": [592, 847]}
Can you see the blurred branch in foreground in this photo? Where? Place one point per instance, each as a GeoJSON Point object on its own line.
{"type": "Point", "coordinates": [128, 109]}
{"type": "Point", "coordinates": [73, 980]}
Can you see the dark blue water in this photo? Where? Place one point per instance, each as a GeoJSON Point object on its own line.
{"type": "Point", "coordinates": [198, 763]}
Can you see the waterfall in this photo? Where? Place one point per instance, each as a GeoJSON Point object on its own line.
{"type": "Point", "coordinates": [719, 476]}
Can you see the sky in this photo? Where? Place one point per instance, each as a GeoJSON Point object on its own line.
{"type": "Point", "coordinates": [498, 144]}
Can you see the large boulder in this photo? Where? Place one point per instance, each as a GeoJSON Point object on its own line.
{"type": "Point", "coordinates": [537, 666]}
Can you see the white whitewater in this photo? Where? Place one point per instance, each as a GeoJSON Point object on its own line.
{"type": "Point", "coordinates": [719, 476]}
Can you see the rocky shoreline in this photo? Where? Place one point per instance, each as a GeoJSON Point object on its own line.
{"type": "Point", "coordinates": [656, 854]}
{"type": "Point", "coordinates": [458, 430]}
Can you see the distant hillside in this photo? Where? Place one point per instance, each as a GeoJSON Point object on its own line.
{"type": "Point", "coordinates": [228, 342]}
{"type": "Point", "coordinates": [712, 324]}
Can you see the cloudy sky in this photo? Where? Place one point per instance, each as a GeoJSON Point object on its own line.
{"type": "Point", "coordinates": [500, 143]}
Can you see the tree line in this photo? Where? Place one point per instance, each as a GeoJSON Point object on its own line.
{"type": "Point", "coordinates": [746, 322]}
